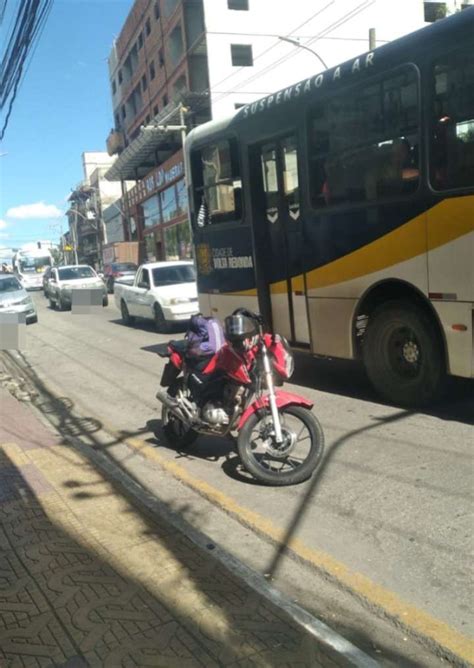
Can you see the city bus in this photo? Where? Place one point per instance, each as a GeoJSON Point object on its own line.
{"type": "Point", "coordinates": [30, 263]}
{"type": "Point", "coordinates": [342, 208]}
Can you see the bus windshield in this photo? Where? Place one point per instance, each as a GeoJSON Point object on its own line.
{"type": "Point", "coordinates": [32, 265]}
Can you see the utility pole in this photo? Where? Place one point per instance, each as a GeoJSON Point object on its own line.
{"type": "Point", "coordinates": [372, 39]}
{"type": "Point", "coordinates": [74, 235]}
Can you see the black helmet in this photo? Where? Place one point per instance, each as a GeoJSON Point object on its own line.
{"type": "Point", "coordinates": [238, 327]}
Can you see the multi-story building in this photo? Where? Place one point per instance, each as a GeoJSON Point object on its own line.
{"type": "Point", "coordinates": [197, 59]}
{"type": "Point", "coordinates": [87, 201]}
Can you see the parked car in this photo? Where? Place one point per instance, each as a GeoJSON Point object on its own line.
{"type": "Point", "coordinates": [15, 299]}
{"type": "Point", "coordinates": [165, 292]}
{"type": "Point", "coordinates": [122, 271]}
{"type": "Point", "coordinates": [64, 280]}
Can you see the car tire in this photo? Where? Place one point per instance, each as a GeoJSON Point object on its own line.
{"type": "Point", "coordinates": [126, 317]}
{"type": "Point", "coordinates": [403, 356]}
{"type": "Point", "coordinates": [52, 304]}
{"type": "Point", "coordinates": [61, 305]}
{"type": "Point", "coordinates": [105, 301]}
{"type": "Point", "coordinates": [160, 323]}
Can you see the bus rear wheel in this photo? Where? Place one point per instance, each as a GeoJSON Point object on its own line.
{"type": "Point", "coordinates": [402, 354]}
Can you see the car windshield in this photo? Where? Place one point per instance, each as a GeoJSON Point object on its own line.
{"type": "Point", "coordinates": [10, 284]}
{"type": "Point", "coordinates": [71, 273]}
{"type": "Point", "coordinates": [124, 266]}
{"type": "Point", "coordinates": [184, 273]}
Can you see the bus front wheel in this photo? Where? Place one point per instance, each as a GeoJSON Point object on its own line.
{"type": "Point", "coordinates": [403, 355]}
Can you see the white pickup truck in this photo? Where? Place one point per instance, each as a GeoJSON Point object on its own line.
{"type": "Point", "coordinates": [165, 292]}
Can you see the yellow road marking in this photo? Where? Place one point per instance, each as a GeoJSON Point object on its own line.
{"type": "Point", "coordinates": [410, 616]}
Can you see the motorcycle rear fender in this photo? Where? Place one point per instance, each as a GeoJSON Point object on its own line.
{"type": "Point", "coordinates": [282, 399]}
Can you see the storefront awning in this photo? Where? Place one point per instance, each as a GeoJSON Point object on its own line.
{"type": "Point", "coordinates": [141, 154]}
{"type": "Point", "coordinates": [154, 145]}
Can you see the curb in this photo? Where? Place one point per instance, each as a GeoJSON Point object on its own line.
{"type": "Point", "coordinates": [333, 646]}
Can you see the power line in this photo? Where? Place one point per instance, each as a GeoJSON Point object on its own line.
{"type": "Point", "coordinates": [333, 26]}
{"type": "Point", "coordinates": [27, 25]}
{"type": "Point", "coordinates": [272, 46]}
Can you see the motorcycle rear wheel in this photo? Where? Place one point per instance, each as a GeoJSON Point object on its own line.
{"type": "Point", "coordinates": [176, 432]}
{"type": "Point", "coordinates": [267, 466]}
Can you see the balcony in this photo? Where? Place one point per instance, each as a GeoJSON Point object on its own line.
{"type": "Point", "coordinates": [115, 142]}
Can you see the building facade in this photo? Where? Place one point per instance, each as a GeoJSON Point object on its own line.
{"type": "Point", "coordinates": [87, 201]}
{"type": "Point", "coordinates": [181, 62]}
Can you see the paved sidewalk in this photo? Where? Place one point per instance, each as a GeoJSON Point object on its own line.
{"type": "Point", "coordinates": [86, 579]}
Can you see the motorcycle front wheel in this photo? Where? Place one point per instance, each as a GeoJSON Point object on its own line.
{"type": "Point", "coordinates": [287, 463]}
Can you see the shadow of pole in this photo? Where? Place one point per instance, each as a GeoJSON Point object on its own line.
{"type": "Point", "coordinates": [313, 485]}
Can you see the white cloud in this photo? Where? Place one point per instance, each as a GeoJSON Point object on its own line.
{"type": "Point", "coordinates": [3, 224]}
{"type": "Point", "coordinates": [32, 211]}
{"type": "Point", "coordinates": [4, 235]}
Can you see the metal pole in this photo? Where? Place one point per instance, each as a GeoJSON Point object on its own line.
{"type": "Point", "coordinates": [372, 39]}
{"type": "Point", "coordinates": [74, 234]}
{"type": "Point", "coordinates": [183, 141]}
{"type": "Point", "coordinates": [295, 42]}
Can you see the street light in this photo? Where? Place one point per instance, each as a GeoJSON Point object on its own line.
{"type": "Point", "coordinates": [296, 42]}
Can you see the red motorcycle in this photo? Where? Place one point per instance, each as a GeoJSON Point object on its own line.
{"type": "Point", "coordinates": [279, 440]}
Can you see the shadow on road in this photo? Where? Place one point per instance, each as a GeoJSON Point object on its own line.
{"type": "Point", "coordinates": [61, 413]}
{"type": "Point", "coordinates": [347, 378]}
{"type": "Point", "coordinates": [149, 326]}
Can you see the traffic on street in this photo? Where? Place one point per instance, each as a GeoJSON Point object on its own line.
{"type": "Point", "coordinates": [237, 333]}
{"type": "Point", "coordinates": [391, 503]}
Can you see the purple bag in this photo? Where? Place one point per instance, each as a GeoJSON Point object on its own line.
{"type": "Point", "coordinates": [205, 336]}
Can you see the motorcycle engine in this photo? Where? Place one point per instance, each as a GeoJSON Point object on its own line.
{"type": "Point", "coordinates": [214, 414]}
{"type": "Point", "coordinates": [219, 413]}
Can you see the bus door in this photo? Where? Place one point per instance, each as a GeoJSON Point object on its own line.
{"type": "Point", "coordinates": [282, 253]}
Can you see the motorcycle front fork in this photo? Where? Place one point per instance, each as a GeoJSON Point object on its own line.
{"type": "Point", "coordinates": [272, 397]}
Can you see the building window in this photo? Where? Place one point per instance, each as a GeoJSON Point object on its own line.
{"type": "Point", "coordinates": [147, 119]}
{"type": "Point", "coordinates": [242, 5]}
{"type": "Point", "coordinates": [140, 41]}
{"type": "Point", "coordinates": [452, 123]}
{"type": "Point", "coordinates": [364, 147]}
{"type": "Point", "coordinates": [157, 10]}
{"type": "Point", "coordinates": [218, 184]}
{"type": "Point", "coordinates": [155, 110]}
{"type": "Point", "coordinates": [144, 82]}
{"type": "Point", "coordinates": [152, 70]}
{"type": "Point", "coordinates": [117, 122]}
{"type": "Point", "coordinates": [151, 212]}
{"type": "Point", "coordinates": [124, 113]}
{"type": "Point", "coordinates": [147, 27]}
{"type": "Point", "coordinates": [165, 100]}
{"type": "Point", "coordinates": [114, 87]}
{"type": "Point", "coordinates": [161, 57]}
{"type": "Point", "coordinates": [434, 11]}
{"type": "Point", "coordinates": [120, 78]}
{"type": "Point", "coordinates": [241, 55]}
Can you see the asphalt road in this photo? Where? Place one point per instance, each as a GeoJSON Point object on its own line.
{"type": "Point", "coordinates": [393, 500]}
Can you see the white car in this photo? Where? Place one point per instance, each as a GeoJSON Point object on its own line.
{"type": "Point", "coordinates": [165, 292]}
{"type": "Point", "coordinates": [15, 299]}
{"type": "Point", "coordinates": [64, 280]}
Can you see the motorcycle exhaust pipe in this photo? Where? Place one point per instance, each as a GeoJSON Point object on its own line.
{"type": "Point", "coordinates": [173, 406]}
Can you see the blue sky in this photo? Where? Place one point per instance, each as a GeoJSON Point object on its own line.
{"type": "Point", "coordinates": [63, 108]}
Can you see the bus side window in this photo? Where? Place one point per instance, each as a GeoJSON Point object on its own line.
{"type": "Point", "coordinates": [452, 124]}
{"type": "Point", "coordinates": [364, 144]}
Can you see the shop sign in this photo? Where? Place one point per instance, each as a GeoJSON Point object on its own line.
{"type": "Point", "coordinates": [163, 176]}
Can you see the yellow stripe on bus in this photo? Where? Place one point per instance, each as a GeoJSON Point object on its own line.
{"type": "Point", "coordinates": [445, 222]}
{"type": "Point", "coordinates": [448, 220]}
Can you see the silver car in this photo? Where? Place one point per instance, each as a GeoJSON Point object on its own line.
{"type": "Point", "coordinates": [15, 299]}
{"type": "Point", "coordinates": [64, 281]}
